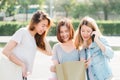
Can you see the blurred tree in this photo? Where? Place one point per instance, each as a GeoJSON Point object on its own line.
{"type": "Point", "coordinates": [64, 5]}
{"type": "Point", "coordinates": [82, 9]}
{"type": "Point", "coordinates": [40, 2]}
{"type": "Point", "coordinates": [102, 6]}
{"type": "Point", "coordinates": [8, 6]}
{"type": "Point", "coordinates": [24, 5]}
{"type": "Point", "coordinates": [115, 6]}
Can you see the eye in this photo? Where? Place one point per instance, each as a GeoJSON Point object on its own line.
{"type": "Point", "coordinates": [61, 31]}
{"type": "Point", "coordinates": [88, 31]}
{"type": "Point", "coordinates": [43, 26]}
{"type": "Point", "coordinates": [66, 31]}
{"type": "Point", "coordinates": [82, 30]}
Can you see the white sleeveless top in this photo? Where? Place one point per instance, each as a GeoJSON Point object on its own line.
{"type": "Point", "coordinates": [26, 47]}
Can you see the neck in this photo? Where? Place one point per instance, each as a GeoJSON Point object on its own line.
{"type": "Point", "coordinates": [70, 42]}
{"type": "Point", "coordinates": [87, 43]}
{"type": "Point", "coordinates": [32, 32]}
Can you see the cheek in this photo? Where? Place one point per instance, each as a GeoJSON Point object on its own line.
{"type": "Point", "coordinates": [82, 33]}
{"type": "Point", "coordinates": [39, 27]}
{"type": "Point", "coordinates": [61, 34]}
{"type": "Point", "coordinates": [46, 28]}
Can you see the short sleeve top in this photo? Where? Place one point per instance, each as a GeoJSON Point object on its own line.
{"type": "Point", "coordinates": [26, 47]}
{"type": "Point", "coordinates": [61, 56]}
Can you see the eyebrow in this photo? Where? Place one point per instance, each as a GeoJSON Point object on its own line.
{"type": "Point", "coordinates": [44, 24]}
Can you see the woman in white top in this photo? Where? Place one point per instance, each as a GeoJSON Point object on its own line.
{"type": "Point", "coordinates": [21, 49]}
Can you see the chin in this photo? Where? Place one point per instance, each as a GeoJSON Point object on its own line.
{"type": "Point", "coordinates": [65, 41]}
{"type": "Point", "coordinates": [40, 33]}
{"type": "Point", "coordinates": [85, 39]}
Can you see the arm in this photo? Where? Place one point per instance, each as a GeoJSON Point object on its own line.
{"type": "Point", "coordinates": [55, 59]}
{"type": "Point", "coordinates": [105, 48]}
{"type": "Point", "coordinates": [108, 50]}
{"type": "Point", "coordinates": [7, 51]}
{"type": "Point", "coordinates": [100, 45]}
{"type": "Point", "coordinates": [103, 45]}
{"type": "Point", "coordinates": [52, 68]}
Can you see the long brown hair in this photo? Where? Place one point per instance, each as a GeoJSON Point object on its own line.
{"type": "Point", "coordinates": [90, 22]}
{"type": "Point", "coordinates": [36, 18]}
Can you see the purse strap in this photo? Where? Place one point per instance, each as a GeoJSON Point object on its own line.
{"type": "Point", "coordinates": [24, 78]}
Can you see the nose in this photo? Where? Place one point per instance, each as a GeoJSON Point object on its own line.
{"type": "Point", "coordinates": [85, 33]}
{"type": "Point", "coordinates": [64, 34]}
{"type": "Point", "coordinates": [45, 28]}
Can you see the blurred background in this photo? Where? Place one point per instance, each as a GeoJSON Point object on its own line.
{"type": "Point", "coordinates": [15, 14]}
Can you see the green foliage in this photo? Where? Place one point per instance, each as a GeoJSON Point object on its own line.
{"type": "Point", "coordinates": [52, 43]}
{"type": "Point", "coordinates": [8, 29]}
{"type": "Point", "coordinates": [108, 28]}
{"type": "Point", "coordinates": [115, 6]}
{"type": "Point", "coordinates": [67, 6]}
{"type": "Point", "coordinates": [8, 6]}
{"type": "Point", "coordinates": [2, 45]}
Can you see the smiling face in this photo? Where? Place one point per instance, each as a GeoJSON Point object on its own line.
{"type": "Point", "coordinates": [41, 27]}
{"type": "Point", "coordinates": [65, 30]}
{"type": "Point", "coordinates": [86, 32]}
{"type": "Point", "coordinates": [64, 33]}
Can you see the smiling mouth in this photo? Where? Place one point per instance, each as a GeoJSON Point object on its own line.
{"type": "Point", "coordinates": [85, 37]}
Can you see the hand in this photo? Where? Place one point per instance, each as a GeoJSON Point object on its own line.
{"type": "Point", "coordinates": [87, 63]}
{"type": "Point", "coordinates": [24, 71]}
{"type": "Point", "coordinates": [52, 68]}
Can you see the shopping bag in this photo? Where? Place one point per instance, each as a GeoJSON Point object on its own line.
{"type": "Point", "coordinates": [74, 70]}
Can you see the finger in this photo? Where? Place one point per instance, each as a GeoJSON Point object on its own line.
{"type": "Point", "coordinates": [24, 74]}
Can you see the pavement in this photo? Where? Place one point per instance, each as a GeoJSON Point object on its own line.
{"type": "Point", "coordinates": [42, 62]}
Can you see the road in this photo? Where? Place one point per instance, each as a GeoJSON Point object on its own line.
{"type": "Point", "coordinates": [43, 62]}
{"type": "Point", "coordinates": [112, 40]}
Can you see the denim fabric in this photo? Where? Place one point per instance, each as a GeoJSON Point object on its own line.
{"type": "Point", "coordinates": [99, 67]}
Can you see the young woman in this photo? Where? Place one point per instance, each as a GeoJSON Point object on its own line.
{"type": "Point", "coordinates": [21, 49]}
{"type": "Point", "coordinates": [65, 50]}
{"type": "Point", "coordinates": [95, 52]}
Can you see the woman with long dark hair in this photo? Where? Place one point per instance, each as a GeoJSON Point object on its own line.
{"type": "Point", "coordinates": [19, 53]}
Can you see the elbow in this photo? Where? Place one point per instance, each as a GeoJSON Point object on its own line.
{"type": "Point", "coordinates": [5, 52]}
{"type": "Point", "coordinates": [109, 53]}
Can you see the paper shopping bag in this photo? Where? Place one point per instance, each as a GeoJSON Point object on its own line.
{"type": "Point", "coordinates": [74, 70]}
